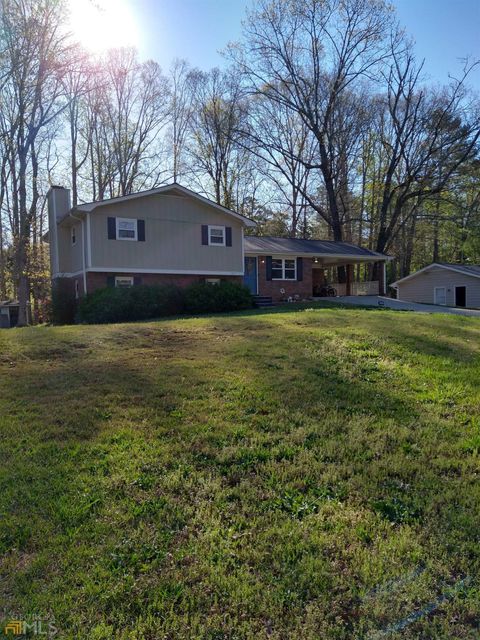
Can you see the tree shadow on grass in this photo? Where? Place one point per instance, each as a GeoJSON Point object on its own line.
{"type": "Point", "coordinates": [77, 421]}
{"type": "Point", "coordinates": [157, 470]}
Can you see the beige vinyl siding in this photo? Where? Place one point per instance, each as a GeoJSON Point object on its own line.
{"type": "Point", "coordinates": [173, 237]}
{"type": "Point", "coordinates": [69, 256]}
{"type": "Point", "coordinates": [421, 287]}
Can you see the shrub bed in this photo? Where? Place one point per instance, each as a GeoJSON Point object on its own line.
{"type": "Point", "coordinates": [202, 297]}
{"type": "Point", "coordinates": [117, 304]}
{"type": "Point", "coordinates": [124, 304]}
{"type": "Point", "coordinates": [63, 305]}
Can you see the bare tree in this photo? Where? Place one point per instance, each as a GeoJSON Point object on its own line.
{"type": "Point", "coordinates": [77, 83]}
{"type": "Point", "coordinates": [183, 80]}
{"type": "Point", "coordinates": [136, 110]}
{"type": "Point", "coordinates": [33, 61]}
{"type": "Point", "coordinates": [281, 140]}
{"type": "Point", "coordinates": [306, 55]}
{"type": "Point", "coordinates": [427, 137]}
{"type": "Point", "coordinates": [214, 149]}
{"type": "Point", "coordinates": [119, 111]}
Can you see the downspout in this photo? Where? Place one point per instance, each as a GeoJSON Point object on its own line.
{"type": "Point", "coordinates": [83, 253]}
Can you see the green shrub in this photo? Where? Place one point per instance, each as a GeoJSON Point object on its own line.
{"type": "Point", "coordinates": [63, 305]}
{"type": "Point", "coordinates": [203, 297]}
{"type": "Point", "coordinates": [124, 304]}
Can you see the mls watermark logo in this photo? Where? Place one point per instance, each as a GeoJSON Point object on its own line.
{"type": "Point", "coordinates": [33, 626]}
{"type": "Point", "coordinates": [15, 627]}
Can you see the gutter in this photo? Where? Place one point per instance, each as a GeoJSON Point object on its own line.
{"type": "Point", "coordinates": [324, 256]}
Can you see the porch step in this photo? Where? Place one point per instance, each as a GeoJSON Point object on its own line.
{"type": "Point", "coordinates": [262, 301]}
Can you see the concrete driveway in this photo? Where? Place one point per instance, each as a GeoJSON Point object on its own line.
{"type": "Point", "coordinates": [390, 303]}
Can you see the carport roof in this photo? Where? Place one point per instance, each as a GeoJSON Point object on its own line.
{"type": "Point", "coordinates": [298, 246]}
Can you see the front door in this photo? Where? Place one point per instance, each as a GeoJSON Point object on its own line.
{"type": "Point", "coordinates": [440, 296]}
{"type": "Point", "coordinates": [461, 296]}
{"type": "Point", "coordinates": [250, 274]}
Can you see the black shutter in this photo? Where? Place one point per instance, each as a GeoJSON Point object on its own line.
{"type": "Point", "coordinates": [299, 269]}
{"type": "Point", "coordinates": [268, 265]}
{"type": "Point", "coordinates": [204, 233]}
{"type": "Point", "coordinates": [111, 279]}
{"type": "Point", "coordinates": [112, 229]}
{"type": "Point", "coordinates": [141, 230]}
{"type": "Point", "coordinates": [137, 280]}
{"type": "Point", "coordinates": [228, 236]}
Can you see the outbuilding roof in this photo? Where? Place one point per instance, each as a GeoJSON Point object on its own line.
{"type": "Point", "coordinates": [466, 269]}
{"type": "Point", "coordinates": [298, 246]}
{"type": "Point", "coordinates": [9, 303]}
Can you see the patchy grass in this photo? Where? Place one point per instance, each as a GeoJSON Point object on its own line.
{"type": "Point", "coordinates": [306, 474]}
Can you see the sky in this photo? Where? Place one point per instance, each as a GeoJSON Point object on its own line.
{"type": "Point", "coordinates": [444, 31]}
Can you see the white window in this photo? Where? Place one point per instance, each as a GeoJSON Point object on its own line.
{"type": "Point", "coordinates": [212, 280]}
{"type": "Point", "coordinates": [74, 235]}
{"type": "Point", "coordinates": [124, 281]}
{"type": "Point", "coordinates": [126, 229]}
{"type": "Point", "coordinates": [284, 269]}
{"type": "Point", "coordinates": [216, 235]}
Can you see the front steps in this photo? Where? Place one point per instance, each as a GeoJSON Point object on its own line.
{"type": "Point", "coordinates": [262, 301]}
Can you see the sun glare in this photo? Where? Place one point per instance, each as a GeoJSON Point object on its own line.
{"type": "Point", "coordinates": [100, 25]}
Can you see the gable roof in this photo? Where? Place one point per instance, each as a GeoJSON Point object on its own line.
{"type": "Point", "coordinates": [465, 269]}
{"type": "Point", "coordinates": [173, 187]}
{"type": "Point", "coordinates": [299, 246]}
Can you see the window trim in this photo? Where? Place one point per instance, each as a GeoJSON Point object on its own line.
{"type": "Point", "coordinates": [435, 289]}
{"type": "Point", "coordinates": [117, 228]}
{"type": "Point", "coordinates": [130, 278]}
{"type": "Point", "coordinates": [73, 235]}
{"type": "Point", "coordinates": [283, 269]}
{"type": "Point", "coordinates": [217, 244]}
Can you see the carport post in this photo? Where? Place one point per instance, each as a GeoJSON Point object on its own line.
{"type": "Point", "coordinates": [348, 285]}
{"type": "Point", "coordinates": [382, 278]}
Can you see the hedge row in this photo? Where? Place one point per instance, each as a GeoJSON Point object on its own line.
{"type": "Point", "coordinates": [117, 304]}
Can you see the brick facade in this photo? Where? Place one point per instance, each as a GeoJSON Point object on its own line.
{"type": "Point", "coordinates": [99, 280]}
{"type": "Point", "coordinates": [313, 276]}
{"type": "Point", "coordinates": [72, 286]}
{"type": "Point", "coordinates": [293, 288]}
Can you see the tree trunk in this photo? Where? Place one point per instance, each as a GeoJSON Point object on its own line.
{"type": "Point", "coordinates": [23, 237]}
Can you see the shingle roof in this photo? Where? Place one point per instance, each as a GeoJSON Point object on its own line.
{"type": "Point", "coordinates": [173, 187]}
{"type": "Point", "coordinates": [298, 246]}
{"type": "Point", "coordinates": [468, 269]}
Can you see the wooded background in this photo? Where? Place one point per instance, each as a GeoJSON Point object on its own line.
{"type": "Point", "coordinates": [321, 125]}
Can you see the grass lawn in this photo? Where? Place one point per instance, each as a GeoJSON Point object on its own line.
{"type": "Point", "coordinates": [307, 474]}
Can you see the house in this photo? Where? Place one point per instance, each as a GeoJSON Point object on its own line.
{"type": "Point", "coordinates": [173, 235]}
{"type": "Point", "coordinates": [283, 268]}
{"type": "Point", "coordinates": [451, 285]}
{"type": "Point", "coordinates": [164, 235]}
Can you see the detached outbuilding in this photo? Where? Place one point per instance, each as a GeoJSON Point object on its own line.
{"type": "Point", "coordinates": [9, 314]}
{"type": "Point", "coordinates": [450, 285]}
